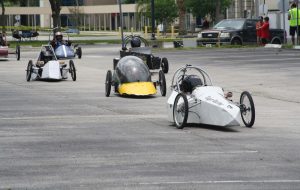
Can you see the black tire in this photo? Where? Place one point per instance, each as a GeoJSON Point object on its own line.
{"type": "Point", "coordinates": [236, 41]}
{"type": "Point", "coordinates": [108, 83]}
{"type": "Point", "coordinates": [115, 63]}
{"type": "Point", "coordinates": [29, 70]}
{"type": "Point", "coordinates": [180, 112]}
{"type": "Point", "coordinates": [18, 52]}
{"type": "Point", "coordinates": [247, 109]}
{"type": "Point", "coordinates": [72, 70]}
{"type": "Point", "coordinates": [276, 41]}
{"type": "Point", "coordinates": [162, 83]}
{"type": "Point", "coordinates": [165, 65]}
{"type": "Point", "coordinates": [79, 52]}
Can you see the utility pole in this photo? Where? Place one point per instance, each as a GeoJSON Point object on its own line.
{"type": "Point", "coordinates": [297, 2]}
{"type": "Point", "coordinates": [283, 18]}
{"type": "Point", "coordinates": [121, 23]}
{"type": "Point", "coordinates": [153, 20]}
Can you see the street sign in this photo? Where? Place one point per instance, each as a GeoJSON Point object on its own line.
{"type": "Point", "coordinates": [283, 5]}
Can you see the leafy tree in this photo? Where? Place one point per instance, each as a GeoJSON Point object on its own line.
{"type": "Point", "coordinates": [2, 17]}
{"type": "Point", "coordinates": [165, 10]}
{"type": "Point", "coordinates": [129, 1]}
{"type": "Point", "coordinates": [201, 8]}
{"type": "Point", "coordinates": [181, 11]}
{"type": "Point", "coordinates": [76, 14]}
{"type": "Point", "coordinates": [56, 8]}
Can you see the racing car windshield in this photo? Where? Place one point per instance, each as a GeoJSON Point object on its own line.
{"type": "Point", "coordinates": [132, 69]}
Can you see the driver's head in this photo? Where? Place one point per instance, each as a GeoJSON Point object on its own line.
{"type": "Point", "coordinates": [135, 42]}
{"type": "Point", "coordinates": [47, 56]}
{"type": "Point", "coordinates": [58, 36]}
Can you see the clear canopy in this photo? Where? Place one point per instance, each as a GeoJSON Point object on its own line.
{"type": "Point", "coordinates": [132, 69]}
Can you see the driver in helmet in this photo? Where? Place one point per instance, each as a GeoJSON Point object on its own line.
{"type": "Point", "coordinates": [46, 56]}
{"type": "Point", "coordinates": [135, 42]}
{"type": "Point", "coordinates": [58, 40]}
{"type": "Point", "coordinates": [2, 39]}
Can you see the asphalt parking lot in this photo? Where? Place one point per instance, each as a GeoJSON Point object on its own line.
{"type": "Point", "coordinates": [68, 135]}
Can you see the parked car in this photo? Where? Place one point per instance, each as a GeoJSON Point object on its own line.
{"type": "Point", "coordinates": [73, 31]}
{"type": "Point", "coordinates": [237, 32]}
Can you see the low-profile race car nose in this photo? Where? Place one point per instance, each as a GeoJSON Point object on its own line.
{"type": "Point", "coordinates": [137, 89]}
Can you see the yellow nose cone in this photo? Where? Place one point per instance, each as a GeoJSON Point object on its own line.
{"type": "Point", "coordinates": [137, 88]}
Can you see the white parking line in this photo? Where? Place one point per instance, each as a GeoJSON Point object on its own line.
{"type": "Point", "coordinates": [85, 116]}
{"type": "Point", "coordinates": [221, 182]}
{"type": "Point", "coordinates": [93, 56]}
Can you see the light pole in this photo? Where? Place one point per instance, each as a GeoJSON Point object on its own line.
{"type": "Point", "coordinates": [297, 3]}
{"type": "Point", "coordinates": [152, 20]}
{"type": "Point", "coordinates": [121, 23]}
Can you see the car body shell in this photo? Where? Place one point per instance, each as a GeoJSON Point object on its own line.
{"type": "Point", "coordinates": [206, 103]}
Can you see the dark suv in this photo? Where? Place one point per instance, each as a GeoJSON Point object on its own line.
{"type": "Point", "coordinates": [237, 32]}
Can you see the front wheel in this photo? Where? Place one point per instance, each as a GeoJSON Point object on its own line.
{"type": "Point", "coordinates": [180, 111]}
{"type": "Point", "coordinates": [165, 65]}
{"type": "Point", "coordinates": [162, 83]}
{"type": "Point", "coordinates": [108, 83]}
{"type": "Point", "coordinates": [18, 52]}
{"type": "Point", "coordinates": [29, 70]}
{"type": "Point", "coordinates": [72, 70]}
{"type": "Point", "coordinates": [247, 109]}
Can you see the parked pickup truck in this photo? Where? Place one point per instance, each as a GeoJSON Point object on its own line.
{"type": "Point", "coordinates": [237, 32]}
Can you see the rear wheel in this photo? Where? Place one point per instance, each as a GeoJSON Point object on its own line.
{"type": "Point", "coordinates": [108, 83]}
{"type": "Point", "coordinates": [72, 70]}
{"type": "Point", "coordinates": [162, 83]}
{"type": "Point", "coordinates": [29, 70]}
{"type": "Point", "coordinates": [18, 52]}
{"type": "Point", "coordinates": [247, 109]}
{"type": "Point", "coordinates": [236, 41]}
{"type": "Point", "coordinates": [180, 111]}
{"type": "Point", "coordinates": [79, 52]}
{"type": "Point", "coordinates": [165, 65]}
{"type": "Point", "coordinates": [276, 41]}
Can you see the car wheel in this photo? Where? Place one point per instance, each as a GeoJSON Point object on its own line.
{"type": "Point", "coordinates": [79, 52]}
{"type": "Point", "coordinates": [236, 41]}
{"type": "Point", "coordinates": [165, 65]}
{"type": "Point", "coordinates": [247, 109]}
{"type": "Point", "coordinates": [276, 41]}
{"type": "Point", "coordinates": [72, 70]}
{"type": "Point", "coordinates": [29, 70]}
{"type": "Point", "coordinates": [18, 52]}
{"type": "Point", "coordinates": [180, 111]}
{"type": "Point", "coordinates": [162, 83]}
{"type": "Point", "coordinates": [108, 83]}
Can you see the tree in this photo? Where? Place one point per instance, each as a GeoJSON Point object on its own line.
{"type": "Point", "coordinates": [182, 11]}
{"type": "Point", "coordinates": [56, 8]}
{"type": "Point", "coordinates": [202, 8]}
{"type": "Point", "coordinates": [2, 17]}
{"type": "Point", "coordinates": [165, 10]}
{"type": "Point", "coordinates": [129, 1]}
{"type": "Point", "coordinates": [76, 14]}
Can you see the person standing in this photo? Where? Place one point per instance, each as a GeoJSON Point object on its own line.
{"type": "Point", "coordinates": [258, 29]}
{"type": "Point", "coordinates": [265, 31]}
{"type": "Point", "coordinates": [205, 24]}
{"type": "Point", "coordinates": [292, 17]}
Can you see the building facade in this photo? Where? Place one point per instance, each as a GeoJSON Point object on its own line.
{"type": "Point", "coordinates": [104, 14]}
